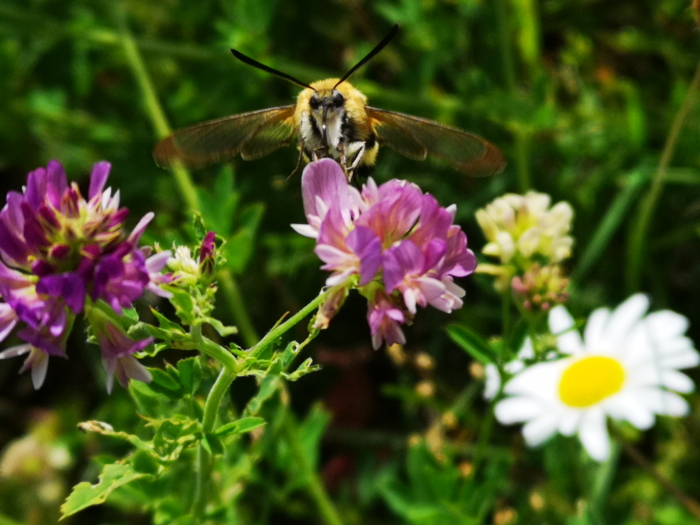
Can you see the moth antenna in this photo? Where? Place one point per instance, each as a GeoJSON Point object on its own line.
{"type": "Point", "coordinates": [381, 45]}
{"type": "Point", "coordinates": [247, 60]}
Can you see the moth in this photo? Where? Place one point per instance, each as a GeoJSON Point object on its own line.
{"type": "Point", "coordinates": [331, 118]}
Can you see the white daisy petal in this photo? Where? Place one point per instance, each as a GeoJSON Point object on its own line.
{"type": "Point", "coordinates": [517, 410]}
{"type": "Point", "coordinates": [595, 328]}
{"type": "Point", "coordinates": [562, 325]}
{"type": "Point", "coordinates": [663, 402]}
{"type": "Point", "coordinates": [538, 381]}
{"type": "Point", "coordinates": [678, 381]}
{"type": "Point", "coordinates": [594, 434]}
{"type": "Point", "coordinates": [538, 430]}
{"type": "Point", "coordinates": [667, 324]}
{"type": "Point", "coordinates": [624, 318]}
{"type": "Point", "coordinates": [627, 407]}
{"type": "Point", "coordinates": [570, 422]}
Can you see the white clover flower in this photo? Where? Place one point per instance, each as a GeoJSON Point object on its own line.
{"type": "Point", "coordinates": [526, 225]}
{"type": "Point", "coordinates": [626, 367]}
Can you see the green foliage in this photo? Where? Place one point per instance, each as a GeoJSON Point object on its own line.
{"type": "Point", "coordinates": [581, 96]}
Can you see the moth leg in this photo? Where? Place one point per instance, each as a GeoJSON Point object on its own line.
{"type": "Point", "coordinates": [296, 169]}
{"type": "Point", "coordinates": [358, 157]}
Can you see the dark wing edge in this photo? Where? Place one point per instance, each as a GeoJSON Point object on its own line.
{"type": "Point", "coordinates": [253, 135]}
{"type": "Point", "coordinates": [415, 138]}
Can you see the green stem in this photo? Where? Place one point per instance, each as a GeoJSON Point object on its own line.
{"type": "Point", "coordinates": [211, 409]}
{"type": "Point", "coordinates": [234, 298]}
{"type": "Point", "coordinates": [315, 485]}
{"type": "Point", "coordinates": [522, 137]}
{"type": "Point", "coordinates": [277, 332]}
{"type": "Point", "coordinates": [522, 152]}
{"type": "Point", "coordinates": [484, 436]}
{"type": "Point", "coordinates": [505, 314]}
{"type": "Point", "coordinates": [640, 233]}
{"type": "Point", "coordinates": [183, 180]}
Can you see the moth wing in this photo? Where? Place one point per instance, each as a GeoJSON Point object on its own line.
{"type": "Point", "coordinates": [253, 135]}
{"type": "Point", "coordinates": [416, 138]}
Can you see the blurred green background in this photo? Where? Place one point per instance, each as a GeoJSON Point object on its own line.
{"type": "Point", "coordinates": [583, 96]}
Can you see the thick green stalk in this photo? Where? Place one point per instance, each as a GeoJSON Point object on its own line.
{"type": "Point", "coordinates": [183, 179]}
{"type": "Point", "coordinates": [315, 484]}
{"type": "Point", "coordinates": [211, 409]}
{"type": "Point", "coordinates": [640, 233]}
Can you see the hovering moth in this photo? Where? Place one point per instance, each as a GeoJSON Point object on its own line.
{"type": "Point", "coordinates": [331, 118]}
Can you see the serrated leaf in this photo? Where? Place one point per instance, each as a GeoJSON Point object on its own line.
{"type": "Point", "coordinates": [472, 343]}
{"type": "Point", "coordinates": [190, 374]}
{"type": "Point", "coordinates": [164, 380]}
{"type": "Point", "coordinates": [86, 494]}
{"type": "Point", "coordinates": [239, 427]}
{"type": "Point", "coordinates": [167, 324]}
{"type": "Point", "coordinates": [305, 368]}
{"type": "Point", "coordinates": [222, 329]}
{"type": "Point", "coordinates": [268, 387]}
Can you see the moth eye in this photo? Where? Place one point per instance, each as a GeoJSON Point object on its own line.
{"type": "Point", "coordinates": [314, 102]}
{"type": "Point", "coordinates": [338, 99]}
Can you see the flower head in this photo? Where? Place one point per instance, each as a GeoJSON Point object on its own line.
{"type": "Point", "coordinates": [523, 231]}
{"type": "Point", "coordinates": [402, 246]}
{"type": "Point", "coordinates": [59, 250]}
{"type": "Point", "coordinates": [625, 367]}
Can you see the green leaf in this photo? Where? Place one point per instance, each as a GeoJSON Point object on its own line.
{"type": "Point", "coordinates": [184, 306]}
{"type": "Point", "coordinates": [164, 383]}
{"type": "Point", "coordinates": [472, 343]}
{"type": "Point", "coordinates": [305, 368]}
{"type": "Point", "coordinates": [268, 387]}
{"type": "Point", "coordinates": [222, 329]}
{"type": "Point", "coordinates": [239, 427]}
{"type": "Point", "coordinates": [190, 374]}
{"type": "Point", "coordinates": [86, 494]}
{"type": "Point", "coordinates": [213, 444]}
{"type": "Point", "coordinates": [607, 227]}
{"type": "Point", "coordinates": [167, 324]}
{"type": "Point", "coordinates": [239, 247]}
{"type": "Point", "coordinates": [164, 380]}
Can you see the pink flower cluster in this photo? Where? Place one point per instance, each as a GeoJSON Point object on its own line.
{"type": "Point", "coordinates": [61, 253]}
{"type": "Point", "coordinates": [399, 241]}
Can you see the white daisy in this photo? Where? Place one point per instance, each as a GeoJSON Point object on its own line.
{"type": "Point", "coordinates": [492, 383]}
{"type": "Point", "coordinates": [625, 367]}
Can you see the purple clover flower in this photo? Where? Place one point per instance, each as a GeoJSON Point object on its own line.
{"type": "Point", "coordinates": [58, 251]}
{"type": "Point", "coordinates": [117, 349]}
{"type": "Point", "coordinates": [400, 242]}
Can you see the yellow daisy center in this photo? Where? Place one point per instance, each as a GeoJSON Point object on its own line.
{"type": "Point", "coordinates": [590, 380]}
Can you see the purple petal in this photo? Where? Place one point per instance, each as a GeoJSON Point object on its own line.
{"type": "Point", "coordinates": [434, 252]}
{"type": "Point", "coordinates": [434, 222]}
{"type": "Point", "coordinates": [12, 213]}
{"type": "Point", "coordinates": [36, 188]}
{"type": "Point", "coordinates": [56, 183]}
{"type": "Point", "coordinates": [155, 263]}
{"type": "Point", "coordinates": [324, 179]}
{"type": "Point", "coordinates": [135, 236]}
{"type": "Point", "coordinates": [13, 249]}
{"type": "Point", "coordinates": [47, 343]}
{"type": "Point", "coordinates": [400, 261]}
{"type": "Point", "coordinates": [98, 178]}
{"type": "Point", "coordinates": [368, 248]}
{"type": "Point", "coordinates": [8, 320]}
{"type": "Point", "coordinates": [68, 286]}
